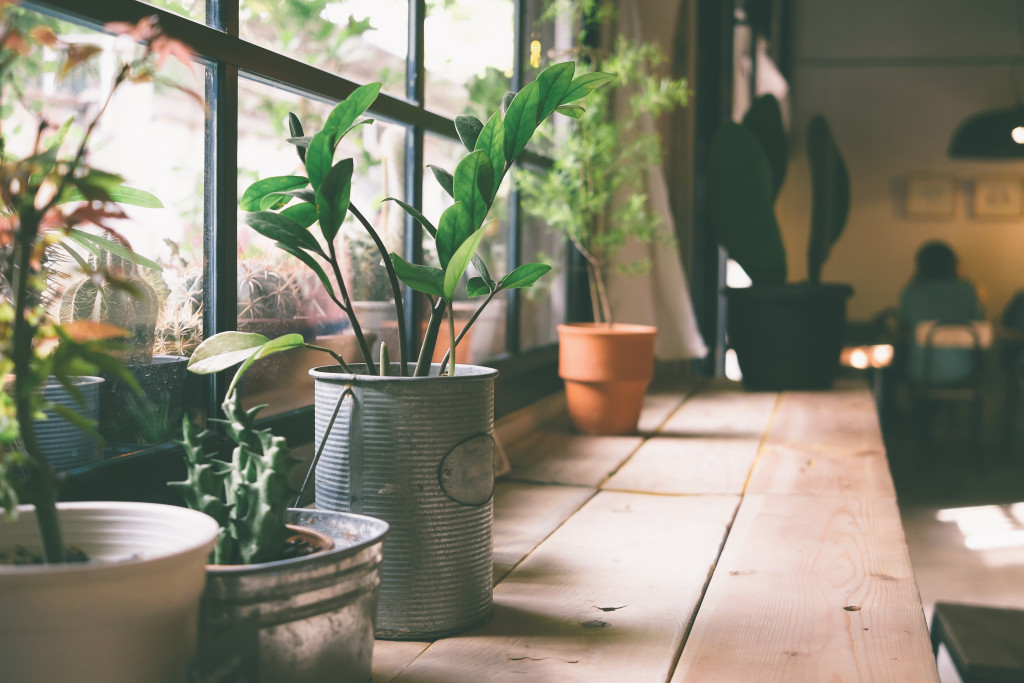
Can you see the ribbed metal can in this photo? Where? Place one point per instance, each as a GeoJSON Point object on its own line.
{"type": "Point", "coordinates": [64, 444]}
{"type": "Point", "coordinates": [313, 615]}
{"type": "Point", "coordinates": [418, 453]}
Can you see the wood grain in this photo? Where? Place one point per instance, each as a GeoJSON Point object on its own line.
{"type": "Point", "coordinates": [843, 420]}
{"type": "Point", "coordinates": [722, 409]}
{"type": "Point", "coordinates": [553, 456]}
{"type": "Point", "coordinates": [526, 514]}
{"type": "Point", "coordinates": [811, 588]}
{"type": "Point", "coordinates": [391, 657]}
{"type": "Point", "coordinates": [786, 470]}
{"type": "Point", "coordinates": [688, 466]}
{"type": "Point", "coordinates": [608, 597]}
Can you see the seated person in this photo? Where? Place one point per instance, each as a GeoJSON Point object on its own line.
{"type": "Point", "coordinates": [936, 292]}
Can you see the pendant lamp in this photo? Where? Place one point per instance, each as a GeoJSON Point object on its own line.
{"type": "Point", "coordinates": [994, 134]}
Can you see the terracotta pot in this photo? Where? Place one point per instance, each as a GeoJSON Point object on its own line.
{"type": "Point", "coordinates": [606, 369]}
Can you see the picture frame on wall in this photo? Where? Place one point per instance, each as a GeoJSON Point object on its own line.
{"type": "Point", "coordinates": [931, 196]}
{"type": "Point", "coordinates": [998, 197]}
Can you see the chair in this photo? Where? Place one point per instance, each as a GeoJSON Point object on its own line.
{"type": "Point", "coordinates": [951, 369]}
{"type": "Point", "coordinates": [986, 644]}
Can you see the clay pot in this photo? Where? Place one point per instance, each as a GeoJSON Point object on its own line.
{"type": "Point", "coordinates": [606, 369]}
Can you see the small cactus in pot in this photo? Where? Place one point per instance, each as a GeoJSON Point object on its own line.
{"type": "Point", "coordinates": [113, 289]}
{"type": "Point", "coordinates": [265, 293]}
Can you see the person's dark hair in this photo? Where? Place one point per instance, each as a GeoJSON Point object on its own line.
{"type": "Point", "coordinates": [936, 260]}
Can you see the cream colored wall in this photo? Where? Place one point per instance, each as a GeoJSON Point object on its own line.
{"type": "Point", "coordinates": [894, 78]}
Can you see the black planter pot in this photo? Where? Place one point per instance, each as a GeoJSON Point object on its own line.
{"type": "Point", "coordinates": [787, 336]}
{"type": "Point", "coordinates": [128, 419]}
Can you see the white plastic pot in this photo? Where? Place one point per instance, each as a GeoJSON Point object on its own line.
{"type": "Point", "coordinates": [129, 615]}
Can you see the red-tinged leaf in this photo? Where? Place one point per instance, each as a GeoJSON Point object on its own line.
{"type": "Point", "coordinates": [77, 53]}
{"type": "Point", "coordinates": [15, 42]}
{"type": "Point", "coordinates": [92, 330]}
{"type": "Point", "coordinates": [163, 46]}
{"type": "Point", "coordinates": [144, 29]}
{"type": "Point", "coordinates": [44, 35]}
{"type": "Point", "coordinates": [97, 216]}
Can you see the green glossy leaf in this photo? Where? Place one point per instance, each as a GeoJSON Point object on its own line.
{"type": "Point", "coordinates": [417, 215]}
{"type": "Point", "coordinates": [281, 228]}
{"type": "Point", "coordinates": [506, 100]}
{"type": "Point", "coordinates": [312, 263]}
{"type": "Point", "coordinates": [477, 287]}
{"type": "Point", "coordinates": [573, 111]}
{"type": "Point", "coordinates": [524, 276]}
{"type": "Point", "coordinates": [285, 342]}
{"type": "Point", "coordinates": [521, 120]}
{"type": "Point", "coordinates": [253, 194]}
{"type": "Point", "coordinates": [583, 84]}
{"type": "Point", "coordinates": [332, 198]}
{"type": "Point", "coordinates": [221, 351]}
{"type": "Point", "coordinates": [492, 141]}
{"type": "Point", "coordinates": [304, 214]}
{"type": "Point", "coordinates": [91, 241]}
{"type": "Point", "coordinates": [444, 179]}
{"type": "Point", "coordinates": [553, 83]}
{"type": "Point", "coordinates": [474, 185]}
{"type": "Point", "coordinates": [459, 263]}
{"type": "Point", "coordinates": [421, 278]}
{"type": "Point", "coordinates": [481, 268]}
{"type": "Point", "coordinates": [273, 202]}
{"type": "Point", "coordinates": [305, 194]}
{"type": "Point", "coordinates": [468, 128]}
{"type": "Point", "coordinates": [455, 226]}
{"type": "Point", "coordinates": [295, 128]}
{"type": "Point", "coordinates": [320, 153]}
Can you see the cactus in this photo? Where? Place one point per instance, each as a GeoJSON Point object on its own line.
{"type": "Point", "coordinates": [180, 330]}
{"type": "Point", "coordinates": [249, 495]}
{"type": "Point", "coordinates": [264, 293]}
{"type": "Point", "coordinates": [113, 290]}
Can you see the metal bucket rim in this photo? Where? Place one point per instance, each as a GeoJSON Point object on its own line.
{"type": "Point", "coordinates": [325, 557]}
{"type": "Point", "coordinates": [334, 373]}
{"type": "Point", "coordinates": [76, 380]}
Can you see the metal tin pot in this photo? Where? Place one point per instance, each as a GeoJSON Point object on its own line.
{"type": "Point", "coordinates": [417, 452]}
{"type": "Point", "coordinates": [304, 619]}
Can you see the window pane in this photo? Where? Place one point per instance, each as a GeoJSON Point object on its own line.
{"type": "Point", "coordinates": [543, 305]}
{"type": "Point", "coordinates": [168, 164]}
{"type": "Point", "coordinates": [486, 338]}
{"type": "Point", "coordinates": [279, 294]}
{"type": "Point", "coordinates": [192, 9]}
{"type": "Point", "coordinates": [469, 53]}
{"type": "Point", "coordinates": [362, 40]}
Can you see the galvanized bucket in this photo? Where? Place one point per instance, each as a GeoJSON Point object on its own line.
{"type": "Point", "coordinates": [311, 617]}
{"type": "Point", "coordinates": [65, 445]}
{"type": "Point", "coordinates": [417, 452]}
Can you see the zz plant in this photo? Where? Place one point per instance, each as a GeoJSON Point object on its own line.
{"type": "Point", "coordinates": [287, 208]}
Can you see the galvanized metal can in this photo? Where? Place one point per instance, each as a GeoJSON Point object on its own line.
{"type": "Point", "coordinates": [418, 453]}
{"type": "Point", "coordinates": [312, 616]}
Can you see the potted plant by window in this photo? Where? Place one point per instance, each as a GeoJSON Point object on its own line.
{"type": "Point", "coordinates": [411, 444]}
{"type": "Point", "coordinates": [62, 619]}
{"type": "Point", "coordinates": [595, 196]}
{"type": "Point", "coordinates": [786, 336]}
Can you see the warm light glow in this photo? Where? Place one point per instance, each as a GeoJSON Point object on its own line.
{"type": "Point", "coordinates": [859, 359]}
{"type": "Point", "coordinates": [988, 527]}
{"type": "Point", "coordinates": [535, 54]}
{"type": "Point", "coordinates": [1018, 135]}
{"type": "Point", "coordinates": [732, 366]}
{"type": "Point", "coordinates": [863, 357]}
{"type": "Point", "coordinates": [881, 355]}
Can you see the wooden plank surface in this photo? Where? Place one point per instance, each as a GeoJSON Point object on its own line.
{"type": "Point", "coordinates": [557, 456]}
{"type": "Point", "coordinates": [785, 470]}
{"type": "Point", "coordinates": [843, 420]}
{"type": "Point", "coordinates": [811, 588]}
{"type": "Point", "coordinates": [608, 597]}
{"type": "Point", "coordinates": [526, 514]}
{"type": "Point", "coordinates": [391, 657]}
{"type": "Point", "coordinates": [695, 465]}
{"type": "Point", "coordinates": [722, 408]}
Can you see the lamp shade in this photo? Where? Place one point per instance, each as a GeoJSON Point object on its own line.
{"type": "Point", "coordinates": [990, 135]}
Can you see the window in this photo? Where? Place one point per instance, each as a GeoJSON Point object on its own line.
{"type": "Point", "coordinates": [258, 60]}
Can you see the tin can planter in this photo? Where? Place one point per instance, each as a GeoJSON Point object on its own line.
{"type": "Point", "coordinates": [304, 619]}
{"type": "Point", "coordinates": [418, 453]}
{"type": "Point", "coordinates": [127, 615]}
{"type": "Point", "coordinates": [606, 370]}
{"type": "Point", "coordinates": [65, 445]}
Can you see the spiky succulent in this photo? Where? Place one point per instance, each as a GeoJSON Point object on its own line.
{"type": "Point", "coordinates": [266, 293]}
{"type": "Point", "coordinates": [113, 290]}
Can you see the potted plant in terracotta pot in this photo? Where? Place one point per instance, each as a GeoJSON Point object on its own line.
{"type": "Point", "coordinates": [595, 196]}
{"type": "Point", "coordinates": [409, 443]}
{"type": "Point", "coordinates": [65, 619]}
{"type": "Point", "coordinates": [786, 336]}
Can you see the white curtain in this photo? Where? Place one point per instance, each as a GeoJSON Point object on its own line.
{"type": "Point", "coordinates": [661, 297]}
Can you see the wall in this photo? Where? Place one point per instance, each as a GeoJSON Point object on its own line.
{"type": "Point", "coordinates": [895, 78]}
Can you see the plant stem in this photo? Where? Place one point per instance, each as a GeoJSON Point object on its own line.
{"type": "Point", "coordinates": [451, 341]}
{"type": "Point", "coordinates": [430, 339]}
{"type": "Point", "coordinates": [396, 287]}
{"type": "Point", "coordinates": [469, 324]}
{"type": "Point", "coordinates": [23, 334]}
{"type": "Point", "coordinates": [364, 348]}
{"type": "Point", "coordinates": [337, 357]}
